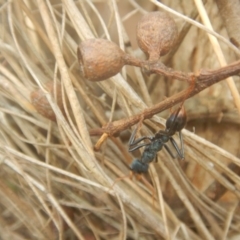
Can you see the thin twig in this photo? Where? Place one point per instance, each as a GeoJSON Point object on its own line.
{"type": "Point", "coordinates": [203, 80]}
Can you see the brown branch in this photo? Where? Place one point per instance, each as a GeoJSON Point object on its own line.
{"type": "Point", "coordinates": [229, 10]}
{"type": "Point", "coordinates": [203, 80]}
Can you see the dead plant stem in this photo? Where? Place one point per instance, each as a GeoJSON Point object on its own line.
{"type": "Point", "coordinates": [203, 80]}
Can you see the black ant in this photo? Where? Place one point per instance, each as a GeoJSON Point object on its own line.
{"type": "Point", "coordinates": [175, 123]}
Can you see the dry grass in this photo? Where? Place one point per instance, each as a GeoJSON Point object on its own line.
{"type": "Point", "coordinates": [54, 186]}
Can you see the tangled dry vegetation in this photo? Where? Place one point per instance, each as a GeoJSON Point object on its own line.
{"type": "Point", "coordinates": [54, 185]}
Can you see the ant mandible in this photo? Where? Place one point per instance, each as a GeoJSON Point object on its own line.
{"type": "Point", "coordinates": [175, 123]}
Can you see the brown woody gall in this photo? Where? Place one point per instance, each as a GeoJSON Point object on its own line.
{"type": "Point", "coordinates": [99, 59]}
{"type": "Point", "coordinates": [156, 34]}
{"type": "Point", "coordinates": [40, 102]}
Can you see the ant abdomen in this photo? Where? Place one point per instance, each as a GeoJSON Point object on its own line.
{"type": "Point", "coordinates": [138, 166]}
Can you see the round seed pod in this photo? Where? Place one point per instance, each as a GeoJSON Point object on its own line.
{"type": "Point", "coordinates": [156, 34]}
{"type": "Point", "coordinates": [41, 103]}
{"type": "Point", "coordinates": [99, 59]}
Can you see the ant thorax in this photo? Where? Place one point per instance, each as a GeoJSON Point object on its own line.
{"type": "Point", "coordinates": [161, 137]}
{"type": "Point", "coordinates": [150, 151]}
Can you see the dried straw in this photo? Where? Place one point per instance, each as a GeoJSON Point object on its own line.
{"type": "Point", "coordinates": [54, 185]}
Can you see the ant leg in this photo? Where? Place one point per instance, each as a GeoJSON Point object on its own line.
{"type": "Point", "coordinates": [133, 135]}
{"type": "Point", "coordinates": [136, 141]}
{"type": "Point", "coordinates": [132, 148]}
{"type": "Point", "coordinates": [132, 138]}
{"type": "Point", "coordinates": [133, 142]}
{"type": "Point", "coordinates": [180, 151]}
{"type": "Point", "coordinates": [182, 144]}
{"type": "Point", "coordinates": [169, 150]}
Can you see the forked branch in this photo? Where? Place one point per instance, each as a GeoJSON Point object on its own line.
{"type": "Point", "coordinates": [203, 79]}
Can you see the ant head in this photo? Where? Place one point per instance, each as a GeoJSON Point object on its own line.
{"type": "Point", "coordinates": [176, 121]}
{"type": "Point", "coordinates": [138, 167]}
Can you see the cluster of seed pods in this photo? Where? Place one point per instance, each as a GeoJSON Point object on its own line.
{"type": "Point", "coordinates": [100, 59]}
